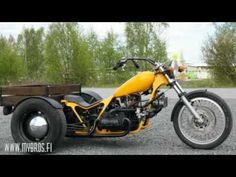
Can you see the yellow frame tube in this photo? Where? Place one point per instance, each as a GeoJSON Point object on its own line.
{"type": "Point", "coordinates": [160, 80]}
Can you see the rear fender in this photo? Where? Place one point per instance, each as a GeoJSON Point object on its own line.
{"type": "Point", "coordinates": [51, 101]}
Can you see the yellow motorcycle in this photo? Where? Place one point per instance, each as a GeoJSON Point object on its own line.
{"type": "Point", "coordinates": [201, 119]}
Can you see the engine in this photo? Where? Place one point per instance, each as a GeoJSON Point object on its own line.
{"type": "Point", "coordinates": [115, 117]}
{"type": "Point", "coordinates": [114, 120]}
{"type": "Point", "coordinates": [119, 110]}
{"type": "Point", "coordinates": [158, 104]}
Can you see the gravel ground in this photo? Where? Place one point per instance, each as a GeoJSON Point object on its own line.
{"type": "Point", "coordinates": [159, 139]}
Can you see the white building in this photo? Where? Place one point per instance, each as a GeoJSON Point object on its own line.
{"type": "Point", "coordinates": [200, 71]}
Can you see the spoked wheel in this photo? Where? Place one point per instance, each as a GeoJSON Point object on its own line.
{"type": "Point", "coordinates": [216, 125]}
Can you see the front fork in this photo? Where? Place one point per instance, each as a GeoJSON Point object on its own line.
{"type": "Point", "coordinates": [182, 96]}
{"type": "Point", "coordinates": [173, 83]}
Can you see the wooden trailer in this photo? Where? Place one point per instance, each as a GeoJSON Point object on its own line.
{"type": "Point", "coordinates": [11, 95]}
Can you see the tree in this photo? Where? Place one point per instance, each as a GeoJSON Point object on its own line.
{"type": "Point", "coordinates": [10, 63]}
{"type": "Point", "coordinates": [143, 40]}
{"type": "Point", "coordinates": [219, 52]}
{"type": "Point", "coordinates": [108, 54]}
{"type": "Point", "coordinates": [94, 45]}
{"type": "Point", "coordinates": [67, 54]}
{"type": "Point", "coordinates": [30, 46]}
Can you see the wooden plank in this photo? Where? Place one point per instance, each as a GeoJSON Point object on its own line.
{"type": "Point", "coordinates": [63, 89]}
{"type": "Point", "coordinates": [11, 100]}
{"type": "Point", "coordinates": [24, 91]}
{"type": "Point", "coordinates": [29, 85]}
{"type": "Point", "coordinates": [11, 95]}
{"type": "Point", "coordinates": [40, 90]}
{"type": "Point", "coordinates": [57, 97]}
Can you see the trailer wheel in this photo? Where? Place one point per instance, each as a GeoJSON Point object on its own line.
{"type": "Point", "coordinates": [35, 121]}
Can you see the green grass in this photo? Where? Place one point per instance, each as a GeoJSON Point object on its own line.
{"type": "Point", "coordinates": [204, 83]}
{"type": "Point", "coordinates": [103, 85]}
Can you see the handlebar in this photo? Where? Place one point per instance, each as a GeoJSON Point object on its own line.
{"type": "Point", "coordinates": [119, 64]}
{"type": "Point", "coordinates": [122, 62]}
{"type": "Point", "coordinates": [136, 64]}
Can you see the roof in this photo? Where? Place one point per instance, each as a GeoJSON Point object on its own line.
{"type": "Point", "coordinates": [197, 64]}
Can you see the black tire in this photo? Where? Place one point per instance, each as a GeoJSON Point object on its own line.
{"type": "Point", "coordinates": [228, 120]}
{"type": "Point", "coordinates": [55, 118]}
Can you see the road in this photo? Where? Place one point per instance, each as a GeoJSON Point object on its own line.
{"type": "Point", "coordinates": [159, 139]}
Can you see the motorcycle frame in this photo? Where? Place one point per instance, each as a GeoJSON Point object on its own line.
{"type": "Point", "coordinates": [161, 78]}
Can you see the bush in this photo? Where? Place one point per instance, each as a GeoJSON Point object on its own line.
{"type": "Point", "coordinates": [219, 52]}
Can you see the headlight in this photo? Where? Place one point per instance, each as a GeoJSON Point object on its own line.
{"type": "Point", "coordinates": [181, 68]}
{"type": "Point", "coordinates": [171, 69]}
{"type": "Point", "coordinates": [174, 68]}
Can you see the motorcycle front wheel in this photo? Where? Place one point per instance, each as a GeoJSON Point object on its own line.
{"type": "Point", "coordinates": [217, 121]}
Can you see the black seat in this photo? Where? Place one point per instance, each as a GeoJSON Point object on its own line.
{"type": "Point", "coordinates": [77, 99]}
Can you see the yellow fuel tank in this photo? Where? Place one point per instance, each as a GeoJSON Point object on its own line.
{"type": "Point", "coordinates": [139, 83]}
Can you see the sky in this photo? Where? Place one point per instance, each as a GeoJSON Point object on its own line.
{"type": "Point", "coordinates": [184, 37]}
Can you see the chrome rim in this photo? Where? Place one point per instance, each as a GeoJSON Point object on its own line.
{"type": "Point", "coordinates": [213, 121]}
{"type": "Point", "coordinates": [37, 126]}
